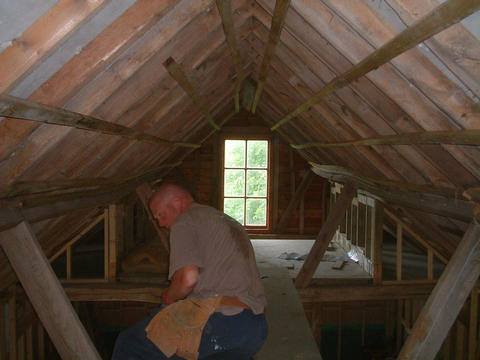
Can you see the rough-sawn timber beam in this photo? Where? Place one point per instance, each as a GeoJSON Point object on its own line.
{"type": "Point", "coordinates": [447, 298]}
{"type": "Point", "coordinates": [278, 19]}
{"type": "Point", "coordinates": [368, 292]}
{"type": "Point", "coordinates": [178, 74]}
{"type": "Point", "coordinates": [440, 201]}
{"type": "Point", "coordinates": [46, 293]}
{"type": "Point", "coordinates": [225, 10]}
{"type": "Point", "coordinates": [297, 197]}
{"type": "Point", "coordinates": [463, 137]}
{"type": "Point", "coordinates": [115, 292]}
{"type": "Point", "coordinates": [17, 108]}
{"type": "Point", "coordinates": [446, 14]}
{"type": "Point", "coordinates": [324, 236]}
{"type": "Point", "coordinates": [40, 187]}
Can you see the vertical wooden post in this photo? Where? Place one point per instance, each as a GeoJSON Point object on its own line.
{"type": "Point", "coordinates": [114, 235]}
{"type": "Point", "coordinates": [355, 221]}
{"type": "Point", "coordinates": [399, 324]}
{"type": "Point", "coordinates": [69, 262]}
{"type": "Point", "coordinates": [339, 333]}
{"type": "Point", "coordinates": [378, 242]}
{"type": "Point", "coordinates": [399, 250]}
{"type": "Point", "coordinates": [21, 347]}
{"type": "Point", "coordinates": [46, 293]}
{"type": "Point", "coordinates": [29, 341]}
{"type": "Point", "coordinates": [276, 177]}
{"type": "Point", "coordinates": [128, 223]}
{"type": "Point", "coordinates": [446, 299]}
{"type": "Point", "coordinates": [12, 328]}
{"type": "Point", "coordinates": [460, 341]}
{"type": "Point", "coordinates": [361, 224]}
{"type": "Point", "coordinates": [301, 220]}
{"type": "Point", "coordinates": [430, 264]}
{"type": "Point", "coordinates": [369, 232]}
{"type": "Point", "coordinates": [3, 334]}
{"type": "Point", "coordinates": [40, 341]}
{"type": "Point", "coordinates": [473, 325]}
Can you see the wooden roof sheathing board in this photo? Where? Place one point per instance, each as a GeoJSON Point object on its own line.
{"type": "Point", "coordinates": [105, 59]}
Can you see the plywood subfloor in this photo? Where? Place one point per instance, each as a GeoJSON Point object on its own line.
{"type": "Point", "coordinates": [268, 251]}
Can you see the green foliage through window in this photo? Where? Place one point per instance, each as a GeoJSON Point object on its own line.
{"type": "Point", "coordinates": [246, 181]}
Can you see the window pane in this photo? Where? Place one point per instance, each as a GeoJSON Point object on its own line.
{"type": "Point", "coordinates": [234, 208]}
{"type": "Point", "coordinates": [256, 211]}
{"type": "Point", "coordinates": [234, 153]}
{"type": "Point", "coordinates": [234, 183]}
{"type": "Point", "coordinates": [257, 153]}
{"type": "Point", "coordinates": [256, 182]}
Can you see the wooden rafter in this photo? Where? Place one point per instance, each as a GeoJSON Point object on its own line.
{"type": "Point", "coordinates": [438, 200]}
{"type": "Point", "coordinates": [225, 10]}
{"type": "Point", "coordinates": [43, 37]}
{"type": "Point", "coordinates": [23, 189]}
{"type": "Point", "coordinates": [46, 293]}
{"type": "Point", "coordinates": [325, 236]}
{"type": "Point", "coordinates": [179, 75]}
{"type": "Point", "coordinates": [446, 300]}
{"type": "Point", "coordinates": [278, 19]}
{"type": "Point", "coordinates": [14, 107]}
{"type": "Point", "coordinates": [463, 137]}
{"type": "Point", "coordinates": [443, 16]}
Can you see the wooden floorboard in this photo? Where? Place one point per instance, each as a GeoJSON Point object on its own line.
{"type": "Point", "coordinates": [290, 335]}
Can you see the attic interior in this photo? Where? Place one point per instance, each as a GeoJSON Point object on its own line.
{"type": "Point", "coordinates": [370, 112]}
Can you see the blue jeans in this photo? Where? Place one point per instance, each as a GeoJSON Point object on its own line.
{"type": "Point", "coordinates": [236, 337]}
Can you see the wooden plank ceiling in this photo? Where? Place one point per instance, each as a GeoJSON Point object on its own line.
{"type": "Point", "coordinates": [108, 60]}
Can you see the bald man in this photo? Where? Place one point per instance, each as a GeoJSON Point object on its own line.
{"type": "Point", "coordinates": [212, 259]}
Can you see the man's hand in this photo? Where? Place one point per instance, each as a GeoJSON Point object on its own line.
{"type": "Point", "coordinates": [183, 283]}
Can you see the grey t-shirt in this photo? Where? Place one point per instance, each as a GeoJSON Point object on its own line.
{"type": "Point", "coordinates": [220, 247]}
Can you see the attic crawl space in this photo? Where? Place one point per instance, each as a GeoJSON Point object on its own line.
{"type": "Point", "coordinates": [366, 118]}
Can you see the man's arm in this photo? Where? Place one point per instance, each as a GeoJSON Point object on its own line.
{"type": "Point", "coordinates": [183, 283]}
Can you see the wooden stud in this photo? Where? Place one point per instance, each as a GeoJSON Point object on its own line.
{"type": "Point", "coordinates": [69, 263]}
{"type": "Point", "coordinates": [144, 192]}
{"type": "Point", "coordinates": [399, 324]}
{"type": "Point", "coordinates": [46, 294]}
{"type": "Point", "coordinates": [3, 334]}
{"type": "Point", "coordinates": [12, 324]}
{"type": "Point", "coordinates": [21, 347]}
{"type": "Point", "coordinates": [17, 108]}
{"type": "Point", "coordinates": [276, 178]}
{"type": "Point", "coordinates": [368, 231]}
{"type": "Point", "coordinates": [225, 10]}
{"type": "Point", "coordinates": [473, 325]}
{"type": "Point", "coordinates": [114, 235]}
{"type": "Point", "coordinates": [460, 341]}
{"type": "Point", "coordinates": [443, 16]}
{"type": "Point", "coordinates": [377, 227]}
{"type": "Point", "coordinates": [40, 341]}
{"type": "Point", "coordinates": [179, 75]}
{"type": "Point", "coordinates": [324, 237]}
{"type": "Point", "coordinates": [399, 251]}
{"type": "Point", "coordinates": [29, 341]}
{"type": "Point", "coordinates": [430, 264]}
{"type": "Point", "coordinates": [278, 19]}
{"type": "Point", "coordinates": [293, 204]}
{"type": "Point", "coordinates": [461, 137]}
{"type": "Point", "coordinates": [417, 237]}
{"type": "Point", "coordinates": [446, 300]}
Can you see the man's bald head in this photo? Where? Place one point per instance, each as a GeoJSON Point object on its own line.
{"type": "Point", "coordinates": [168, 202]}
